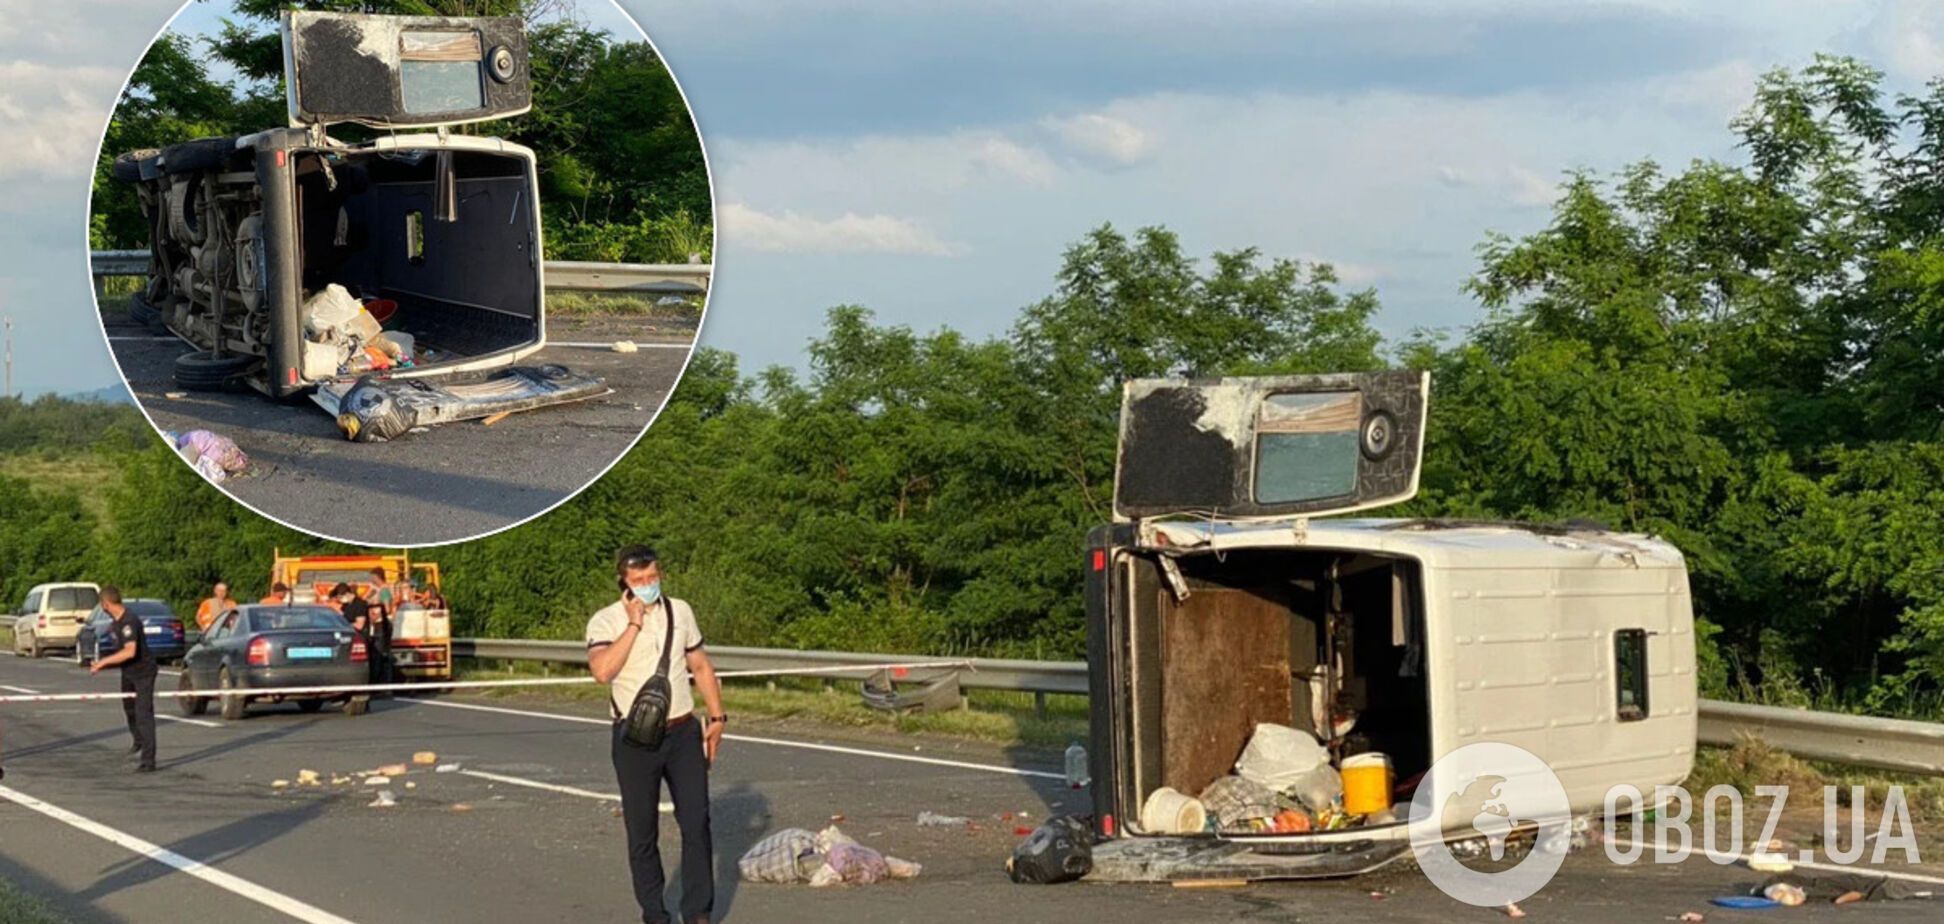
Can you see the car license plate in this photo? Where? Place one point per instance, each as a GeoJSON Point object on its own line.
{"type": "Point", "coordinates": [308, 654]}
{"type": "Point", "coordinates": [154, 630]}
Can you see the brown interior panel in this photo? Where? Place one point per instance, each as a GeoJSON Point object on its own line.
{"type": "Point", "coordinates": [1224, 668]}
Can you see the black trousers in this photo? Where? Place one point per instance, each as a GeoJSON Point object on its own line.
{"type": "Point", "coordinates": [641, 771]}
{"type": "Point", "coordinates": [140, 711]}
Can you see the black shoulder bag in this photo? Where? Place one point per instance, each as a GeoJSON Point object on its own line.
{"type": "Point", "coordinates": [647, 720]}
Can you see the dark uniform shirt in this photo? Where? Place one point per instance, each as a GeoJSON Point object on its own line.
{"type": "Point", "coordinates": [358, 609]}
{"type": "Point", "coordinates": [128, 631]}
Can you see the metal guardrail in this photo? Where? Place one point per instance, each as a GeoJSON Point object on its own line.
{"type": "Point", "coordinates": [1883, 744]}
{"type": "Point", "coordinates": [569, 275]}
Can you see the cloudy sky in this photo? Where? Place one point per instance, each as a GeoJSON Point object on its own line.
{"type": "Point", "coordinates": [931, 160]}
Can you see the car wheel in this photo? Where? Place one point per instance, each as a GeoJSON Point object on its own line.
{"type": "Point", "coordinates": [81, 655]}
{"type": "Point", "coordinates": [310, 705]}
{"type": "Point", "coordinates": [143, 312]}
{"type": "Point", "coordinates": [357, 705]}
{"type": "Point", "coordinates": [233, 704]}
{"type": "Point", "coordinates": [204, 371]}
{"type": "Point", "coordinates": [128, 166]}
{"type": "Point", "coordinates": [190, 705]}
{"type": "Point", "coordinates": [35, 650]}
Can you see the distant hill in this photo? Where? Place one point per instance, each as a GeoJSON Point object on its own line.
{"type": "Point", "coordinates": [106, 394]}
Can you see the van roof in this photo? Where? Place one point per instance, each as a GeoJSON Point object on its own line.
{"type": "Point", "coordinates": [1439, 543]}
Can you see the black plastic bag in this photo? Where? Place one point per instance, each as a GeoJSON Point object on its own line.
{"type": "Point", "coordinates": [368, 414]}
{"type": "Point", "coordinates": [1061, 850]}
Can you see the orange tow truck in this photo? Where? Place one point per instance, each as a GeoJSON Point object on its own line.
{"type": "Point", "coordinates": [421, 637]}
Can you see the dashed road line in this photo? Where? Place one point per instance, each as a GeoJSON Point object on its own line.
{"type": "Point", "coordinates": [309, 914]}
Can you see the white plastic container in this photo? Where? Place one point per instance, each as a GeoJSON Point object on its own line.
{"type": "Point", "coordinates": [1169, 811]}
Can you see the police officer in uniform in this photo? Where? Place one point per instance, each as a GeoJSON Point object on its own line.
{"type": "Point", "coordinates": [138, 670]}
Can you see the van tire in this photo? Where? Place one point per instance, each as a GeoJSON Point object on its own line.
{"type": "Point", "coordinates": [128, 166]}
{"type": "Point", "coordinates": [233, 705]}
{"type": "Point", "coordinates": [143, 312]}
{"type": "Point", "coordinates": [34, 649]}
{"type": "Point", "coordinates": [357, 705]}
{"type": "Point", "coordinates": [204, 371]}
{"type": "Point", "coordinates": [190, 705]}
{"type": "Point", "coordinates": [310, 705]}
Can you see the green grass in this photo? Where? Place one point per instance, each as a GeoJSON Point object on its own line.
{"type": "Point", "coordinates": [79, 474]}
{"type": "Point", "coordinates": [18, 907]}
{"type": "Point", "coordinates": [992, 716]}
{"type": "Point", "coordinates": [589, 304]}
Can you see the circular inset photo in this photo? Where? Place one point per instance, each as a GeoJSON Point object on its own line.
{"type": "Point", "coordinates": [401, 280]}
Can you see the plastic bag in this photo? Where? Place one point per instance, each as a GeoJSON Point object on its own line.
{"type": "Point", "coordinates": [367, 414]}
{"type": "Point", "coordinates": [786, 856]}
{"type": "Point", "coordinates": [853, 863]}
{"type": "Point", "coordinates": [215, 457]}
{"type": "Point", "coordinates": [1235, 801]}
{"type": "Point", "coordinates": [1061, 850]}
{"type": "Point", "coordinates": [332, 310]}
{"type": "Point", "coordinates": [1277, 756]}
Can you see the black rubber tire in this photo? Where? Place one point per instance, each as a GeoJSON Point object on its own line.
{"type": "Point", "coordinates": [142, 312]}
{"type": "Point", "coordinates": [199, 371]}
{"type": "Point", "coordinates": [233, 706]}
{"type": "Point", "coordinates": [81, 654]}
{"type": "Point", "coordinates": [200, 154]}
{"type": "Point", "coordinates": [34, 649]}
{"type": "Point", "coordinates": [128, 166]}
{"type": "Point", "coordinates": [310, 705]}
{"type": "Point", "coordinates": [190, 705]}
{"type": "Point", "coordinates": [357, 705]}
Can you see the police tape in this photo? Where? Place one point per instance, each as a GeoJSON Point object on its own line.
{"type": "Point", "coordinates": [439, 686]}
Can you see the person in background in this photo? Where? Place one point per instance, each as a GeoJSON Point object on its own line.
{"type": "Point", "coordinates": [279, 594]}
{"type": "Point", "coordinates": [383, 604]}
{"type": "Point", "coordinates": [216, 604]}
{"type": "Point", "coordinates": [138, 670]}
{"type": "Point", "coordinates": [624, 645]}
{"type": "Point", "coordinates": [431, 599]}
{"type": "Point", "coordinates": [354, 609]}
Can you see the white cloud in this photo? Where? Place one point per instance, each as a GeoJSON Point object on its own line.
{"type": "Point", "coordinates": [1100, 135]}
{"type": "Point", "coordinates": [1910, 36]}
{"type": "Point", "coordinates": [790, 232]}
{"type": "Point", "coordinates": [1528, 188]}
{"type": "Point", "coordinates": [1009, 157]}
{"type": "Point", "coordinates": [53, 117]}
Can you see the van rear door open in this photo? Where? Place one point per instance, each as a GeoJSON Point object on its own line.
{"type": "Point", "coordinates": [404, 71]}
{"type": "Point", "coordinates": [1269, 446]}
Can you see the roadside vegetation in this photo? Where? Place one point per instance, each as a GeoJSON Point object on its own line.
{"type": "Point", "coordinates": [1746, 358]}
{"type": "Point", "coordinates": [19, 907]}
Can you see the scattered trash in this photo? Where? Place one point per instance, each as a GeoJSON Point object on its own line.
{"type": "Point", "coordinates": [279, 784]}
{"type": "Point", "coordinates": [1366, 782]}
{"type": "Point", "coordinates": [1769, 863]}
{"type": "Point", "coordinates": [827, 858]}
{"type": "Point", "coordinates": [625, 346]}
{"type": "Point", "coordinates": [446, 768]}
{"type": "Point", "coordinates": [1784, 893]}
{"type": "Point", "coordinates": [461, 807]}
{"type": "Point", "coordinates": [339, 780]}
{"type": "Point", "coordinates": [175, 395]}
{"type": "Point", "coordinates": [214, 457]}
{"type": "Point", "coordinates": [496, 418]}
{"type": "Point", "coordinates": [935, 820]}
{"type": "Point", "coordinates": [789, 855]}
{"type": "Point", "coordinates": [1237, 802]}
{"type": "Point", "coordinates": [1848, 897]}
{"type": "Point", "coordinates": [1287, 760]}
{"type": "Point", "coordinates": [410, 785]}
{"type": "Point", "coordinates": [1692, 917]}
{"type": "Point", "coordinates": [1377, 896]}
{"type": "Point", "coordinates": [385, 799]}
{"type": "Point", "coordinates": [1021, 830]}
{"type": "Point", "coordinates": [391, 770]}
{"type": "Point", "coordinates": [377, 781]}
{"type": "Point", "coordinates": [425, 758]}
{"type": "Point", "coordinates": [1512, 910]}
{"type": "Point", "coordinates": [1077, 774]}
{"type": "Point", "coordinates": [1210, 883]}
{"type": "Point", "coordinates": [851, 863]}
{"type": "Point", "coordinates": [1061, 850]}
{"type": "Point", "coordinates": [1744, 902]}
{"type": "Point", "coordinates": [836, 819]}
{"type": "Point", "coordinates": [1168, 811]}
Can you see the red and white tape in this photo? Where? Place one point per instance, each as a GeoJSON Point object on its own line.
{"type": "Point", "coordinates": [352, 689]}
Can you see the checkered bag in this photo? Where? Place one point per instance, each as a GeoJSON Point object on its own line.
{"type": "Point", "coordinates": [1233, 801]}
{"type": "Point", "coordinates": [788, 855]}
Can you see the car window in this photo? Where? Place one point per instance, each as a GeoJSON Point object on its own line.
{"type": "Point", "coordinates": [32, 606]}
{"type": "Point", "coordinates": [223, 628]}
{"type": "Point", "coordinates": [150, 609]}
{"type": "Point", "coordinates": [295, 617]}
{"type": "Point", "coordinates": [72, 598]}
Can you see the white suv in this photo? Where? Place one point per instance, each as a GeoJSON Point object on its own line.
{"type": "Point", "coordinates": [52, 615]}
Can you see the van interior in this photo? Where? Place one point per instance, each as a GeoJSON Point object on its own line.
{"type": "Point", "coordinates": [447, 235]}
{"type": "Point", "coordinates": [1329, 642]}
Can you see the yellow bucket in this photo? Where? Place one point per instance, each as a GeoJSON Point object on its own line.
{"type": "Point", "coordinates": [1366, 783]}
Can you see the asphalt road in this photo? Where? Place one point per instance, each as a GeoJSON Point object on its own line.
{"type": "Point", "coordinates": [451, 482]}
{"type": "Point", "coordinates": [523, 853]}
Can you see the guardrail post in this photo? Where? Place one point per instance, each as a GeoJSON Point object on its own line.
{"type": "Point", "coordinates": [1039, 705]}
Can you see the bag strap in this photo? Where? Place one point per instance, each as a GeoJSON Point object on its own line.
{"type": "Point", "coordinates": [661, 666]}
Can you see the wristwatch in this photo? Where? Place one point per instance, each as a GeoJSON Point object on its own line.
{"type": "Point", "coordinates": [719, 719]}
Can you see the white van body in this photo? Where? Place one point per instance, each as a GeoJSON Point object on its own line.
{"type": "Point", "coordinates": [1216, 604]}
{"type": "Point", "coordinates": [51, 616]}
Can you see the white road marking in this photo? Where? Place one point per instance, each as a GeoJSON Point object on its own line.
{"type": "Point", "coordinates": [176, 718]}
{"type": "Point", "coordinates": [609, 345]}
{"type": "Point", "coordinates": [774, 742]}
{"type": "Point", "coordinates": [667, 808]}
{"type": "Point", "coordinates": [18, 689]}
{"type": "Point", "coordinates": [309, 914]}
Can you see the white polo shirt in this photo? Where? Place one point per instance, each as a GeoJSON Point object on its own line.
{"type": "Point", "coordinates": [608, 624]}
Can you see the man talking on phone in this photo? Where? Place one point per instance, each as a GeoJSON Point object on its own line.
{"type": "Point", "coordinates": [626, 642]}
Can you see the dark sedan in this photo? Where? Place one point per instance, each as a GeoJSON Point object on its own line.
{"type": "Point", "coordinates": [271, 646]}
{"type": "Point", "coordinates": [159, 623]}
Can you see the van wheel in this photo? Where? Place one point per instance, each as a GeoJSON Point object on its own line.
{"type": "Point", "coordinates": [310, 705]}
{"type": "Point", "coordinates": [143, 312]}
{"type": "Point", "coordinates": [204, 371]}
{"type": "Point", "coordinates": [34, 649]}
{"type": "Point", "coordinates": [357, 705]}
{"type": "Point", "coordinates": [233, 704]}
{"type": "Point", "coordinates": [190, 705]}
{"type": "Point", "coordinates": [128, 166]}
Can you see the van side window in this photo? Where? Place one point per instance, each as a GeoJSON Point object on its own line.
{"type": "Point", "coordinates": [1630, 674]}
{"type": "Point", "coordinates": [32, 606]}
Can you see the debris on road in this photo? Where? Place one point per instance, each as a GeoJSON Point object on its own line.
{"type": "Point", "coordinates": [1744, 902]}
{"type": "Point", "coordinates": [1692, 917]}
{"type": "Point", "coordinates": [827, 858]}
{"type": "Point", "coordinates": [385, 799]}
{"type": "Point", "coordinates": [279, 784]}
{"type": "Point", "coordinates": [934, 820]}
{"type": "Point", "coordinates": [625, 346]}
{"type": "Point", "coordinates": [1769, 863]}
{"type": "Point", "coordinates": [1848, 897]}
{"type": "Point", "coordinates": [1061, 850]}
{"type": "Point", "coordinates": [446, 768]}
{"type": "Point", "coordinates": [391, 770]}
{"type": "Point", "coordinates": [377, 781]}
{"type": "Point", "coordinates": [1512, 910]}
{"type": "Point", "coordinates": [214, 457]}
{"type": "Point", "coordinates": [307, 778]}
{"type": "Point", "coordinates": [461, 807]}
{"type": "Point", "coordinates": [1210, 883]}
{"type": "Point", "coordinates": [410, 785]}
{"type": "Point", "coordinates": [425, 758]}
{"type": "Point", "coordinates": [496, 418]}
